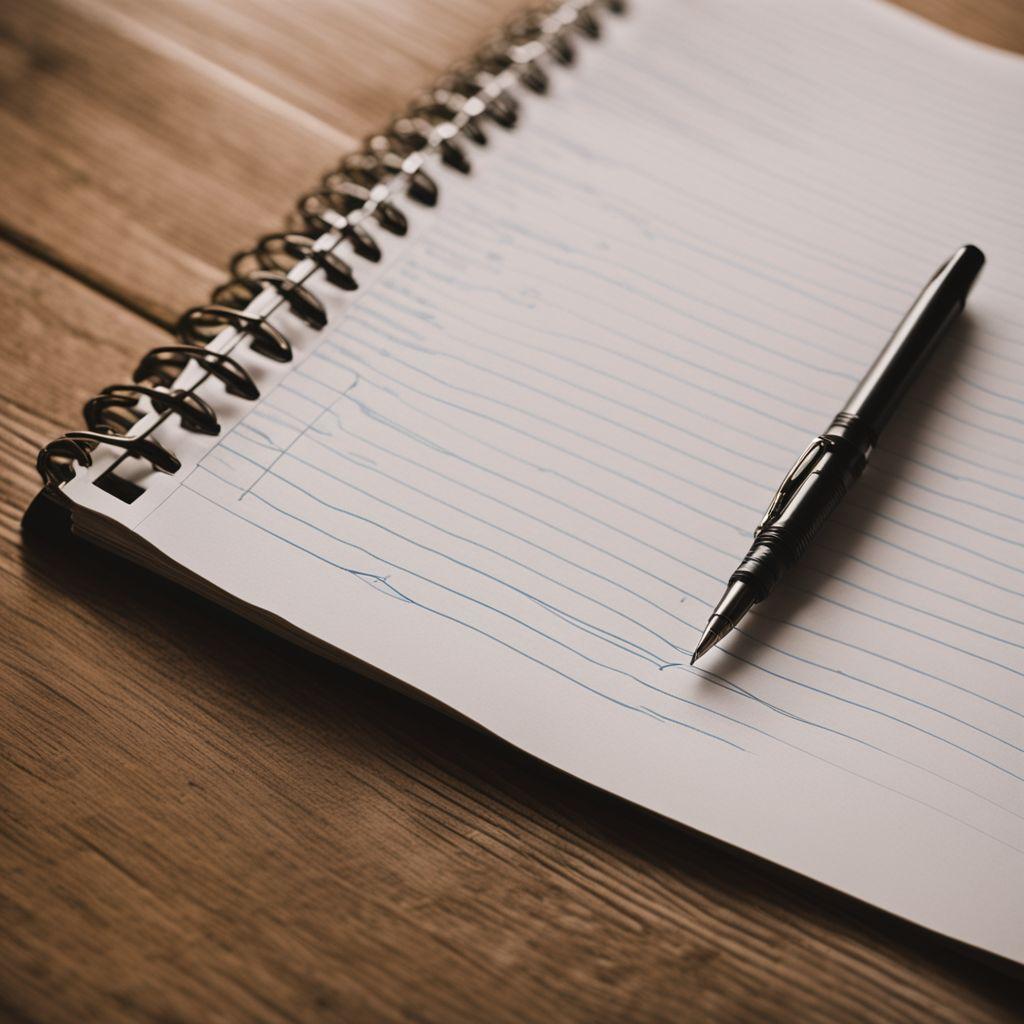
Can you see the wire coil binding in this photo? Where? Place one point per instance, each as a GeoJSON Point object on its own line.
{"type": "Point", "coordinates": [439, 122]}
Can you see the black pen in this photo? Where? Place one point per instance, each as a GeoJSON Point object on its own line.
{"type": "Point", "coordinates": [832, 462]}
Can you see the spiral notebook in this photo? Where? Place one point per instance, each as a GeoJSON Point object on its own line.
{"type": "Point", "coordinates": [494, 418]}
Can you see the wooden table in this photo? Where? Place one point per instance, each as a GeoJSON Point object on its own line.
{"type": "Point", "coordinates": [202, 823]}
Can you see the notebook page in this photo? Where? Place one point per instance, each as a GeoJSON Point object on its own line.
{"type": "Point", "coordinates": [517, 468]}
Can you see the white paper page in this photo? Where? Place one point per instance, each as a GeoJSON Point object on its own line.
{"type": "Point", "coordinates": [516, 470]}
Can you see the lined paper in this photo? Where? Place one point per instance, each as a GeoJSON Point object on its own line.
{"type": "Point", "coordinates": [517, 468]}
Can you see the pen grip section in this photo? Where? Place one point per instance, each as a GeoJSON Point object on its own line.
{"type": "Point", "coordinates": [807, 497]}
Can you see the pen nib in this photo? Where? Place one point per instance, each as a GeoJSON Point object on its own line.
{"type": "Point", "coordinates": [728, 614]}
{"type": "Point", "coordinates": [716, 628]}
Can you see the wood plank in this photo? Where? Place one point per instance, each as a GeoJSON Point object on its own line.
{"type": "Point", "coordinates": [199, 821]}
{"type": "Point", "coordinates": [57, 350]}
{"type": "Point", "coordinates": [350, 63]}
{"type": "Point", "coordinates": [133, 169]}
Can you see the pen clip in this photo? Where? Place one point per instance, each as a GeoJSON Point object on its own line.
{"type": "Point", "coordinates": [799, 472]}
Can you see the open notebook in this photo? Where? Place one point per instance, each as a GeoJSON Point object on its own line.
{"type": "Point", "coordinates": [514, 468]}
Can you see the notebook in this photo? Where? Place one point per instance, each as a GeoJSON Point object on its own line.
{"type": "Point", "coordinates": [494, 418]}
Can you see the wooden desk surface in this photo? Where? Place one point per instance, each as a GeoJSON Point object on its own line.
{"type": "Point", "coordinates": [199, 822]}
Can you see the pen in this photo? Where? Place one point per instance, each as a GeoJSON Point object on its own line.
{"type": "Point", "coordinates": [823, 474]}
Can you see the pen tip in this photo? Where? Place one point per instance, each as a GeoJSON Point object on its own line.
{"type": "Point", "coordinates": [716, 628]}
{"type": "Point", "coordinates": [728, 613]}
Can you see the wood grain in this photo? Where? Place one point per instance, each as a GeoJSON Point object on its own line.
{"type": "Point", "coordinates": [129, 167]}
{"type": "Point", "coordinates": [343, 62]}
{"type": "Point", "coordinates": [199, 822]}
{"type": "Point", "coordinates": [996, 22]}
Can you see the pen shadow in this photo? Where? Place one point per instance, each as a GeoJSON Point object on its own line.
{"type": "Point", "coordinates": [845, 537]}
{"type": "Point", "coordinates": [318, 734]}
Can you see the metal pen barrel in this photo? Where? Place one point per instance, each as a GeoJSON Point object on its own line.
{"type": "Point", "coordinates": [898, 365]}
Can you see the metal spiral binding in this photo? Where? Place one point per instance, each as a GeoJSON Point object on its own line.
{"type": "Point", "coordinates": [361, 189]}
